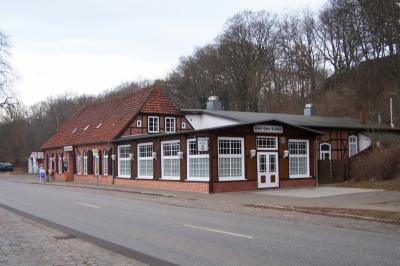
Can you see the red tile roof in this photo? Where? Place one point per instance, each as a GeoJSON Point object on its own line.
{"type": "Point", "coordinates": [102, 121]}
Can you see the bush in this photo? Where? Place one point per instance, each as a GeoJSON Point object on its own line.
{"type": "Point", "coordinates": [381, 164]}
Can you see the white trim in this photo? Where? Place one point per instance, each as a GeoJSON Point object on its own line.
{"type": "Point", "coordinates": [147, 159]}
{"type": "Point", "coordinates": [105, 163]}
{"type": "Point", "coordinates": [321, 152]}
{"type": "Point", "coordinates": [60, 170]}
{"type": "Point", "coordinates": [78, 164]}
{"type": "Point", "coordinates": [169, 157]}
{"type": "Point", "coordinates": [307, 175]}
{"type": "Point", "coordinates": [268, 184]}
{"type": "Point", "coordinates": [124, 159]}
{"type": "Point", "coordinates": [356, 144]}
{"type": "Point", "coordinates": [174, 124]}
{"type": "Point", "coordinates": [85, 163]}
{"type": "Point", "coordinates": [148, 124]}
{"type": "Point", "coordinates": [96, 165]}
{"type": "Point", "coordinates": [220, 156]}
{"type": "Point", "coordinates": [267, 149]}
{"type": "Point", "coordinates": [188, 177]}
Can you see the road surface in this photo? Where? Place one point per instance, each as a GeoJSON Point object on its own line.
{"type": "Point", "coordinates": [187, 236]}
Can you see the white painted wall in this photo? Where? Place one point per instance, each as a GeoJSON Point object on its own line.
{"type": "Point", "coordinates": [364, 142]}
{"type": "Point", "coordinates": [201, 121]}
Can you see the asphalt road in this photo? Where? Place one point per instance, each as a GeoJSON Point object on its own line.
{"type": "Point", "coordinates": [188, 236]}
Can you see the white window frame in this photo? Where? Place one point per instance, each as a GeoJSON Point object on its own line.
{"type": "Point", "coordinates": [169, 157]}
{"type": "Point", "coordinates": [307, 175]}
{"type": "Point", "coordinates": [266, 148]}
{"type": "Point", "coordinates": [321, 152]}
{"type": "Point", "coordinates": [351, 142]}
{"type": "Point", "coordinates": [60, 170]}
{"type": "Point", "coordinates": [85, 163]}
{"type": "Point", "coordinates": [123, 159]}
{"type": "Point", "coordinates": [158, 124]}
{"type": "Point", "coordinates": [141, 159]}
{"type": "Point", "coordinates": [96, 165]}
{"type": "Point", "coordinates": [230, 156]}
{"type": "Point", "coordinates": [79, 164]}
{"type": "Point", "coordinates": [173, 129]}
{"type": "Point", "coordinates": [197, 156]}
{"type": "Point", "coordinates": [105, 163]}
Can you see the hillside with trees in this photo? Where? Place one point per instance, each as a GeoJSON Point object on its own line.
{"type": "Point", "coordinates": [344, 58]}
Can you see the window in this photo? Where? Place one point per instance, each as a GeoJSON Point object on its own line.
{"type": "Point", "coordinates": [198, 162]}
{"type": "Point", "coordinates": [60, 164]}
{"type": "Point", "coordinates": [170, 124]}
{"type": "Point", "coordinates": [267, 143]}
{"type": "Point", "coordinates": [145, 160]}
{"type": "Point", "coordinates": [153, 124]}
{"type": "Point", "coordinates": [97, 164]}
{"type": "Point", "coordinates": [124, 162]}
{"type": "Point", "coordinates": [170, 161]}
{"type": "Point", "coordinates": [353, 146]}
{"type": "Point", "coordinates": [230, 159]}
{"type": "Point", "coordinates": [105, 163]}
{"type": "Point", "coordinates": [325, 151]}
{"type": "Point", "coordinates": [78, 164]}
{"type": "Point", "coordinates": [299, 163]}
{"type": "Point", "coordinates": [85, 168]}
{"type": "Point", "coordinates": [139, 123]}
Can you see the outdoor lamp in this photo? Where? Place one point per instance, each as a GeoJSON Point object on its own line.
{"type": "Point", "coordinates": [131, 156]}
{"type": "Point", "coordinates": [154, 155]}
{"type": "Point", "coordinates": [253, 153]}
{"type": "Point", "coordinates": [285, 153]}
{"type": "Point", "coordinates": [180, 154]}
{"type": "Point", "coordinates": [113, 157]}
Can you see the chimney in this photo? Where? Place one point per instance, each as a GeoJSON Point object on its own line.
{"type": "Point", "coordinates": [362, 117]}
{"type": "Point", "coordinates": [309, 110]}
{"type": "Point", "coordinates": [213, 103]}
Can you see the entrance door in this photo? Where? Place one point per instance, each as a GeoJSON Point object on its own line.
{"type": "Point", "coordinates": [268, 169]}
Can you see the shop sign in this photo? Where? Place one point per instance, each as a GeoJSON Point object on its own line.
{"type": "Point", "coordinates": [68, 148]}
{"type": "Point", "coordinates": [268, 129]}
{"type": "Point", "coordinates": [202, 144]}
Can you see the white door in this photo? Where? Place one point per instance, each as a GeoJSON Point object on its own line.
{"type": "Point", "coordinates": [268, 169]}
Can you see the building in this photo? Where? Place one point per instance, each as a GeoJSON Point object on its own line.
{"type": "Point", "coordinates": [35, 160]}
{"type": "Point", "coordinates": [142, 139]}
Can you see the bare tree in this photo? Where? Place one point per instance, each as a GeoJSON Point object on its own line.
{"type": "Point", "coordinates": [6, 75]}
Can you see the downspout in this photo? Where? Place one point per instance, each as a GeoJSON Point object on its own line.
{"type": "Point", "coordinates": [112, 162]}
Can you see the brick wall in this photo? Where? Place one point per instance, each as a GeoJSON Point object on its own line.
{"type": "Point", "coordinates": [234, 186]}
{"type": "Point", "coordinates": [299, 182]}
{"type": "Point", "coordinates": [91, 179]}
{"type": "Point", "coordinates": [164, 184]}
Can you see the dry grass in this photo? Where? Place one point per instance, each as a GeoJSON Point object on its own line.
{"type": "Point", "coordinates": [382, 216]}
{"type": "Point", "coordinates": [392, 184]}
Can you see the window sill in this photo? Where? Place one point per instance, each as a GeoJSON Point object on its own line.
{"type": "Point", "coordinates": [145, 177]}
{"type": "Point", "coordinates": [198, 179]}
{"type": "Point", "coordinates": [126, 177]}
{"type": "Point", "coordinates": [299, 177]}
{"type": "Point", "coordinates": [224, 179]}
{"type": "Point", "coordinates": [171, 178]}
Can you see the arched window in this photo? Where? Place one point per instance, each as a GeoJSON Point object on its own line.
{"type": "Point", "coordinates": [353, 145]}
{"type": "Point", "coordinates": [105, 163]}
{"type": "Point", "coordinates": [78, 163]}
{"type": "Point", "coordinates": [85, 165]}
{"type": "Point", "coordinates": [325, 151]}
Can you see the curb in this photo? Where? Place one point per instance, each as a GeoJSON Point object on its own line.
{"type": "Point", "coordinates": [105, 188]}
{"type": "Point", "coordinates": [303, 210]}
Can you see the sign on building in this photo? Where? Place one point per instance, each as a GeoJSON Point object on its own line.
{"type": "Point", "coordinates": [268, 129]}
{"type": "Point", "coordinates": [202, 144]}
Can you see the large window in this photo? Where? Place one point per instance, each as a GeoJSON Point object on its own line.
{"type": "Point", "coordinates": [78, 164]}
{"type": "Point", "coordinates": [97, 164]}
{"type": "Point", "coordinates": [267, 143]}
{"type": "Point", "coordinates": [198, 163]}
{"type": "Point", "coordinates": [105, 163]}
{"type": "Point", "coordinates": [124, 162]}
{"type": "Point", "coordinates": [353, 146]}
{"type": "Point", "coordinates": [145, 160]}
{"type": "Point", "coordinates": [325, 151]}
{"type": "Point", "coordinates": [230, 159]}
{"type": "Point", "coordinates": [299, 160]}
{"type": "Point", "coordinates": [170, 160]}
{"type": "Point", "coordinates": [153, 124]}
{"type": "Point", "coordinates": [85, 166]}
{"type": "Point", "coordinates": [170, 124]}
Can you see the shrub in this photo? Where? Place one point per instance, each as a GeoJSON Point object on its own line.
{"type": "Point", "coordinates": [382, 164]}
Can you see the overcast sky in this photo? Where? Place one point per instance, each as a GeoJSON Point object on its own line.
{"type": "Point", "coordinates": [87, 46]}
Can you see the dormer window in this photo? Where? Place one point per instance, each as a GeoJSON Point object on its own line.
{"type": "Point", "coordinates": [86, 128]}
{"type": "Point", "coordinates": [73, 131]}
{"type": "Point", "coordinates": [153, 124]}
{"type": "Point", "coordinates": [99, 125]}
{"type": "Point", "coordinates": [170, 124]}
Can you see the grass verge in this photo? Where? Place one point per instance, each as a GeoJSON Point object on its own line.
{"type": "Point", "coordinates": [392, 184]}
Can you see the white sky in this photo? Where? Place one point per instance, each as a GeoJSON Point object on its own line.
{"type": "Point", "coordinates": [87, 46]}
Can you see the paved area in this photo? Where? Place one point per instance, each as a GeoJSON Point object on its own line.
{"type": "Point", "coordinates": [314, 192]}
{"type": "Point", "coordinates": [24, 242]}
{"type": "Point", "coordinates": [198, 236]}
